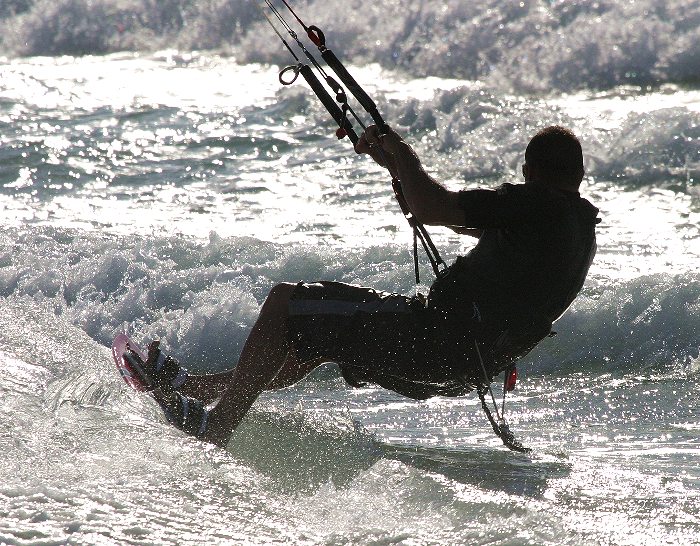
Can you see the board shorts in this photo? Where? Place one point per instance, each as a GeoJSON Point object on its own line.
{"type": "Point", "coordinates": [386, 339]}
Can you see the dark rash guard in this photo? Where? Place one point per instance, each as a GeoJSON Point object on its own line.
{"type": "Point", "coordinates": [529, 264]}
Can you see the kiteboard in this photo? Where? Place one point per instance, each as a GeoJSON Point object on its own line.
{"type": "Point", "coordinates": [131, 375]}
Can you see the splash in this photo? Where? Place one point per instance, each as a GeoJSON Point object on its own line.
{"type": "Point", "coordinates": [695, 364]}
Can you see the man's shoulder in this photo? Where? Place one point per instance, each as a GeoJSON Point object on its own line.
{"type": "Point", "coordinates": [520, 190]}
{"type": "Point", "coordinates": [521, 195]}
{"type": "Point", "coordinates": [506, 188]}
{"type": "Point", "coordinates": [525, 191]}
{"type": "Point", "coordinates": [546, 194]}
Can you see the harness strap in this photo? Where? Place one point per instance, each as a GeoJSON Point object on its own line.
{"type": "Point", "coordinates": [419, 232]}
{"type": "Point", "coordinates": [416, 268]}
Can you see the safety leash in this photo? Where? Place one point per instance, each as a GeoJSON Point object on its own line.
{"type": "Point", "coordinates": [499, 425]}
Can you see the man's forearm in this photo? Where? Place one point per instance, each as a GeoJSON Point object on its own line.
{"type": "Point", "coordinates": [424, 195]}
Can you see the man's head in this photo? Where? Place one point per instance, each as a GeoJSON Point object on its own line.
{"type": "Point", "coordinates": [554, 156]}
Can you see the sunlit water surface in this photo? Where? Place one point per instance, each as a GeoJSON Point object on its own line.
{"type": "Point", "coordinates": [165, 194]}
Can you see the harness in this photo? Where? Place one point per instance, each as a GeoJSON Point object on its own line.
{"type": "Point", "coordinates": [339, 109]}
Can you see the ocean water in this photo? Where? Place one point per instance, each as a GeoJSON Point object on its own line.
{"type": "Point", "coordinates": [156, 179]}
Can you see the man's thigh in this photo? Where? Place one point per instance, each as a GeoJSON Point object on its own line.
{"type": "Point", "coordinates": [349, 324]}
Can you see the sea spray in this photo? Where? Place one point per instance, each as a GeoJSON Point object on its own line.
{"type": "Point", "coordinates": [526, 47]}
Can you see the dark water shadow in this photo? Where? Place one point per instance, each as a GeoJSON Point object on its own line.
{"type": "Point", "coordinates": [299, 452]}
{"type": "Point", "coordinates": [489, 468]}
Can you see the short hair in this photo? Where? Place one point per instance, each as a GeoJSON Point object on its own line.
{"type": "Point", "coordinates": [556, 152]}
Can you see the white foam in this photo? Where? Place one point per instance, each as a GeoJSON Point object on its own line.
{"type": "Point", "coordinates": [521, 46]}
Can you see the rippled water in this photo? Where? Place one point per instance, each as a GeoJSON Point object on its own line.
{"type": "Point", "coordinates": [164, 194]}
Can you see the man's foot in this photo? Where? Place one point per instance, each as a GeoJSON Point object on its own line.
{"type": "Point", "coordinates": [158, 372]}
{"type": "Point", "coordinates": [188, 414]}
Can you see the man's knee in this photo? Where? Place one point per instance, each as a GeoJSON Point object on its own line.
{"type": "Point", "coordinates": [280, 295]}
{"type": "Point", "coordinates": [282, 290]}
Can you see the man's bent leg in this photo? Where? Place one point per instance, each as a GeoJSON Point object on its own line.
{"type": "Point", "coordinates": [293, 371]}
{"type": "Point", "coordinates": [209, 387]}
{"type": "Point", "coordinates": [264, 355]}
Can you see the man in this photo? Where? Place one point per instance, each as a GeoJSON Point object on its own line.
{"type": "Point", "coordinates": [492, 306]}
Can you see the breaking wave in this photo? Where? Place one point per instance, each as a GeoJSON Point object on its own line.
{"type": "Point", "coordinates": [526, 46]}
{"type": "Point", "coordinates": [202, 298]}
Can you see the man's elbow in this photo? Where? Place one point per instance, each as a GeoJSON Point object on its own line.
{"type": "Point", "coordinates": [444, 211]}
{"type": "Point", "coordinates": [426, 214]}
